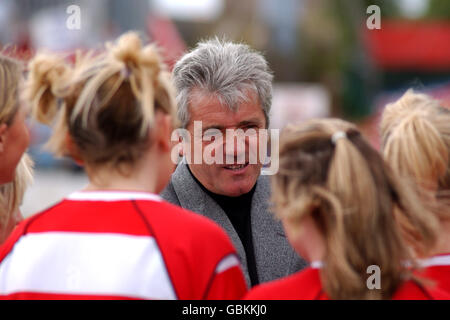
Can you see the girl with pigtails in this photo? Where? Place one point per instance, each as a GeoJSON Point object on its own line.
{"type": "Point", "coordinates": [415, 133]}
{"type": "Point", "coordinates": [116, 239]}
{"type": "Point", "coordinates": [340, 205]}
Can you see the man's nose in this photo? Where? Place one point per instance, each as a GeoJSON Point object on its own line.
{"type": "Point", "coordinates": [235, 148]}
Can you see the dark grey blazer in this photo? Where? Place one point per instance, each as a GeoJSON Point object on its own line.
{"type": "Point", "coordinates": [274, 256]}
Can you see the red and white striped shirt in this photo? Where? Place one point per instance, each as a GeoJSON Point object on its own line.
{"type": "Point", "coordinates": [119, 245]}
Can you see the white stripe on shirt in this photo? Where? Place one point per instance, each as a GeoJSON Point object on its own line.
{"type": "Point", "coordinates": [442, 260]}
{"type": "Point", "coordinates": [316, 264]}
{"type": "Point", "coordinates": [112, 196]}
{"type": "Point", "coordinates": [86, 263]}
{"type": "Point", "coordinates": [227, 262]}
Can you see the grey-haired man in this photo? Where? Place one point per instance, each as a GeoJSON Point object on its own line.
{"type": "Point", "coordinates": [227, 86]}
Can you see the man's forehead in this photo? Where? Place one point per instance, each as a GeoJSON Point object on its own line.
{"type": "Point", "coordinates": [214, 113]}
{"type": "Point", "coordinates": [205, 96]}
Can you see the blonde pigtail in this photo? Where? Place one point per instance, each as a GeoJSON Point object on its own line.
{"type": "Point", "coordinates": [415, 135]}
{"type": "Point", "coordinates": [47, 84]}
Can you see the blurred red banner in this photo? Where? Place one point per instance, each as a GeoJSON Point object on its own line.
{"type": "Point", "coordinates": [416, 45]}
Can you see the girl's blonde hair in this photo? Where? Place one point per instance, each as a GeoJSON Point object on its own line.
{"type": "Point", "coordinates": [10, 76]}
{"type": "Point", "coordinates": [106, 102]}
{"type": "Point", "coordinates": [11, 194]}
{"type": "Point", "coordinates": [355, 200]}
{"type": "Point", "coordinates": [415, 132]}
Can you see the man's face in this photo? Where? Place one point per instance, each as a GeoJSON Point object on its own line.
{"type": "Point", "coordinates": [226, 178]}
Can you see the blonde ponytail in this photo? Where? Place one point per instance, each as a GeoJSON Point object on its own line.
{"type": "Point", "coordinates": [146, 66]}
{"type": "Point", "coordinates": [126, 62]}
{"type": "Point", "coordinates": [415, 134]}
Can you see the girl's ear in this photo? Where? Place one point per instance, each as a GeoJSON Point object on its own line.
{"type": "Point", "coordinates": [163, 132]}
{"type": "Point", "coordinates": [73, 150]}
{"type": "Point", "coordinates": [3, 130]}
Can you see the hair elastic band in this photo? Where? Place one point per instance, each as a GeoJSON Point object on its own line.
{"type": "Point", "coordinates": [338, 135]}
{"type": "Point", "coordinates": [125, 72]}
{"type": "Point", "coordinates": [59, 102]}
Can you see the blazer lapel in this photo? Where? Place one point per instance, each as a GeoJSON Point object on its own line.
{"type": "Point", "coordinates": [193, 198]}
{"type": "Point", "coordinates": [273, 253]}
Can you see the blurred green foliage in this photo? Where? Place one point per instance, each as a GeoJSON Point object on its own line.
{"type": "Point", "coordinates": [438, 9]}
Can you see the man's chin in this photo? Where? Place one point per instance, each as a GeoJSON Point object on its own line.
{"type": "Point", "coordinates": [238, 190]}
{"type": "Point", "coordinates": [236, 186]}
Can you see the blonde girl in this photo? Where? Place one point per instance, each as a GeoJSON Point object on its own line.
{"type": "Point", "coordinates": [14, 140]}
{"type": "Point", "coordinates": [339, 203]}
{"type": "Point", "coordinates": [415, 133]}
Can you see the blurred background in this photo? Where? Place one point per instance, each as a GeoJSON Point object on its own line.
{"type": "Point", "coordinates": [326, 60]}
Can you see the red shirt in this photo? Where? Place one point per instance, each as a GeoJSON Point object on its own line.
{"type": "Point", "coordinates": [437, 268]}
{"type": "Point", "coordinates": [306, 285]}
{"type": "Point", "coordinates": [119, 245]}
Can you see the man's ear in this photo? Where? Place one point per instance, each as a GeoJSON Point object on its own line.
{"type": "Point", "coordinates": [182, 151]}
{"type": "Point", "coordinates": [3, 130]}
{"type": "Point", "coordinates": [73, 150]}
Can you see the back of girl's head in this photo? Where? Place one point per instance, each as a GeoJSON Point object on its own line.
{"type": "Point", "coordinates": [415, 133]}
{"type": "Point", "coordinates": [10, 75]}
{"type": "Point", "coordinates": [105, 102]}
{"type": "Point", "coordinates": [329, 172]}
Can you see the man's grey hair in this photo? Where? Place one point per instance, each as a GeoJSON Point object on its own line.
{"type": "Point", "coordinates": [229, 70]}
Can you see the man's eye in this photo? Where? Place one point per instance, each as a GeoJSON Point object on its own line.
{"type": "Point", "coordinates": [211, 133]}
{"type": "Point", "coordinates": [252, 129]}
